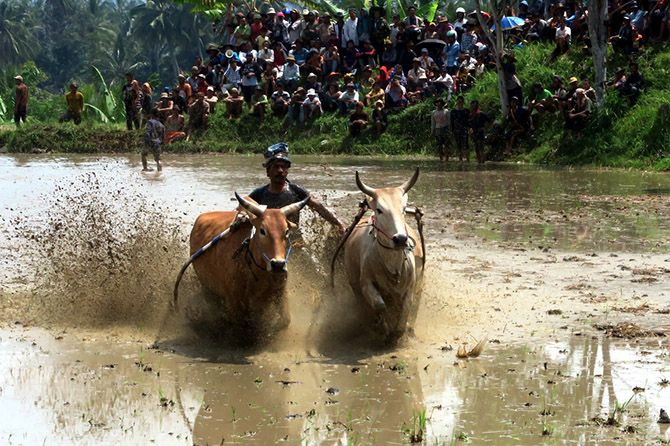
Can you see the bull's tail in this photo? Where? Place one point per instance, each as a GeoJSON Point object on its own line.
{"type": "Point", "coordinates": [197, 254]}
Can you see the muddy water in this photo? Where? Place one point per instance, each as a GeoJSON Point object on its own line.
{"type": "Point", "coordinates": [533, 259]}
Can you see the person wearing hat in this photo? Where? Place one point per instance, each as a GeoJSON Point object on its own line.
{"type": "Point", "coordinates": [211, 99]}
{"type": "Point", "coordinates": [250, 72]}
{"type": "Point", "coordinates": [242, 32]}
{"type": "Point", "coordinates": [75, 105]}
{"type": "Point", "coordinates": [153, 141]}
{"type": "Point", "coordinates": [131, 97]}
{"type": "Point", "coordinates": [461, 20]}
{"type": "Point", "coordinates": [198, 115]}
{"type": "Point", "coordinates": [281, 192]}
{"type": "Point", "coordinates": [577, 118]}
{"type": "Point", "coordinates": [414, 74]}
{"type": "Point", "coordinates": [358, 120]}
{"type": "Point", "coordinates": [623, 41]}
{"type": "Point", "coordinates": [469, 39]}
{"type": "Point", "coordinates": [20, 101]}
{"type": "Point", "coordinates": [313, 83]}
{"type": "Point", "coordinates": [523, 9]}
{"type": "Point", "coordinates": [270, 20]}
{"type": "Point", "coordinates": [444, 83]}
{"type": "Point", "coordinates": [256, 27]}
{"type": "Point", "coordinates": [565, 104]}
{"type": "Point", "coordinates": [146, 102]}
{"type": "Point", "coordinates": [451, 52]}
{"type": "Point", "coordinates": [348, 99]}
{"type": "Point", "coordinates": [295, 27]}
{"type": "Point", "coordinates": [165, 106]}
{"type": "Point", "coordinates": [295, 111]}
{"type": "Point", "coordinates": [338, 27]}
{"type": "Point", "coordinates": [234, 103]}
{"type": "Point", "coordinates": [440, 124]}
{"type": "Point", "coordinates": [310, 24]}
{"type": "Point", "coordinates": [214, 55]}
{"type": "Point", "coordinates": [521, 121]}
{"type": "Point", "coordinates": [311, 106]}
{"type": "Point", "coordinates": [619, 80]}
{"type": "Point", "coordinates": [389, 56]}
{"type": "Point", "coordinates": [379, 117]}
{"type": "Point", "coordinates": [426, 60]}
{"type": "Point", "coordinates": [174, 126]}
{"type": "Point", "coordinates": [280, 30]}
{"type": "Point", "coordinates": [324, 28]}
{"type": "Point", "coordinates": [291, 74]}
{"type": "Point", "coordinates": [202, 84]}
{"type": "Point", "coordinates": [349, 32]}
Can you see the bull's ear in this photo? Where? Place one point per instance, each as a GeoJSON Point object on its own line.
{"type": "Point", "coordinates": [407, 185]}
{"type": "Point", "coordinates": [291, 225]}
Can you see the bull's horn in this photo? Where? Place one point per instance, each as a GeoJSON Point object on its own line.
{"type": "Point", "coordinates": [295, 207]}
{"type": "Point", "coordinates": [365, 189]}
{"type": "Point", "coordinates": [407, 185]}
{"type": "Point", "coordinates": [249, 206]}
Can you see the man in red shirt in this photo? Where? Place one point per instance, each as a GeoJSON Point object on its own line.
{"type": "Point", "coordinates": [21, 103]}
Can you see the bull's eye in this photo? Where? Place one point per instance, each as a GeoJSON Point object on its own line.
{"type": "Point", "coordinates": [286, 234]}
{"type": "Point", "coordinates": [379, 211]}
{"type": "Point", "coordinates": [263, 233]}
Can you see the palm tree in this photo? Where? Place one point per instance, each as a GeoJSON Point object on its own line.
{"type": "Point", "coordinates": [17, 40]}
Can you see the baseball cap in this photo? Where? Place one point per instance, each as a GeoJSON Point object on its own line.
{"type": "Point", "coordinates": [18, 78]}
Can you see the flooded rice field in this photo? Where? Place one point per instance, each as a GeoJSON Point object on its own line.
{"type": "Point", "coordinates": [563, 271]}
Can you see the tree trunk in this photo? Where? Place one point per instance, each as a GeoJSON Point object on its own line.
{"type": "Point", "coordinates": [598, 35]}
{"type": "Point", "coordinates": [496, 52]}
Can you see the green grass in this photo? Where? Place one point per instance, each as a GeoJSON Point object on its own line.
{"type": "Point", "coordinates": [618, 135]}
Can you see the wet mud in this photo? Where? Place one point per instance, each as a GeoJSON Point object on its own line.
{"type": "Point", "coordinates": [562, 271]}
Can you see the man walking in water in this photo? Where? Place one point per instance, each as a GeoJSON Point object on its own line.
{"type": "Point", "coordinates": [281, 192]}
{"type": "Point", "coordinates": [21, 102]}
{"type": "Point", "coordinates": [153, 141]}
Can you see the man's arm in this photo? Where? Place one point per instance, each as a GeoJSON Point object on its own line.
{"type": "Point", "coordinates": [326, 214]}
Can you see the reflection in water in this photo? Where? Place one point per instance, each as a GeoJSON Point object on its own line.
{"type": "Point", "coordinates": [93, 392]}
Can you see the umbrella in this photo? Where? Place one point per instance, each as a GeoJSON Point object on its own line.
{"type": "Point", "coordinates": [433, 45]}
{"type": "Point", "coordinates": [511, 22]}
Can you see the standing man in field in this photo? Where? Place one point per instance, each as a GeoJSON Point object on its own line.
{"type": "Point", "coordinates": [21, 102]}
{"type": "Point", "coordinates": [130, 97]}
{"type": "Point", "coordinates": [153, 141]}
{"type": "Point", "coordinates": [75, 105]}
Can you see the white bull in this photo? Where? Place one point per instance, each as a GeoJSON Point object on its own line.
{"type": "Point", "coordinates": [384, 260]}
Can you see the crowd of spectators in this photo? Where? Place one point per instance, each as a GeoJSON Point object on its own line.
{"type": "Point", "coordinates": [298, 65]}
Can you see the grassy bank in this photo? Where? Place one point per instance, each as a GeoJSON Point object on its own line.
{"type": "Point", "coordinates": [619, 135]}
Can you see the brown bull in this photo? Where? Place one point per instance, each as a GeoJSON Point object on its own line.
{"type": "Point", "coordinates": [247, 277]}
{"type": "Point", "coordinates": [384, 260]}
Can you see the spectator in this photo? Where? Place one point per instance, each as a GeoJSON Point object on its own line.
{"type": "Point", "coordinates": [331, 98]}
{"type": "Point", "coordinates": [558, 91]}
{"type": "Point", "coordinates": [259, 103]}
{"type": "Point", "coordinates": [540, 99]}
{"type": "Point", "coordinates": [75, 105]}
{"type": "Point", "coordinates": [633, 83]}
{"type": "Point", "coordinates": [451, 52]}
{"type": "Point", "coordinates": [464, 81]}
{"type": "Point", "coordinates": [256, 27]}
{"type": "Point", "coordinates": [153, 141]}
{"type": "Point", "coordinates": [216, 78]}
{"type": "Point", "coordinates": [202, 84]}
{"type": "Point", "coordinates": [379, 117]}
{"type": "Point", "coordinates": [211, 99]}
{"type": "Point", "coordinates": [469, 40]}
{"type": "Point", "coordinates": [390, 56]}
{"type": "Point", "coordinates": [460, 125]}
{"type": "Point", "coordinates": [164, 107]}
{"type": "Point", "coordinates": [215, 58]}
{"type": "Point", "coordinates": [242, 32]}
{"type": "Point", "coordinates": [478, 122]}
{"type": "Point", "coordinates": [414, 74]}
{"type": "Point", "coordinates": [174, 126]}
{"type": "Point", "coordinates": [290, 75]}
{"type": "Point", "coordinates": [314, 64]}
{"type": "Point", "coordinates": [130, 98]}
{"type": "Point", "coordinates": [147, 103]}
{"type": "Point", "coordinates": [193, 80]}
{"type": "Point", "coordinates": [521, 121]}
{"type": "Point", "coordinates": [331, 60]}
{"type": "Point", "coordinates": [444, 83]}
{"type": "Point", "coordinates": [440, 123]}
{"type": "Point", "coordinates": [623, 41]}
{"type": "Point", "coordinates": [202, 68]}
{"type": "Point", "coordinates": [425, 59]}
{"type": "Point", "coordinates": [396, 94]}
{"type": "Point", "coordinates": [296, 26]}
{"type": "Point", "coordinates": [578, 116]}
{"type": "Point", "coordinates": [358, 120]}
{"type": "Point", "coordinates": [412, 21]}
{"type": "Point", "coordinates": [325, 28]}
{"type": "Point", "coordinates": [250, 73]}
{"type": "Point", "coordinates": [349, 31]}
{"type": "Point", "coordinates": [367, 56]}
{"type": "Point", "coordinates": [380, 30]}
{"type": "Point", "coordinates": [376, 94]}
{"type": "Point", "coordinates": [280, 33]}
{"type": "Point", "coordinates": [350, 57]}
{"type": "Point", "coordinates": [198, 115]}
{"type": "Point", "coordinates": [279, 101]}
{"type": "Point", "coordinates": [312, 106]}
{"type": "Point", "coordinates": [538, 29]}
{"type": "Point", "coordinates": [234, 103]}
{"type": "Point", "coordinates": [266, 56]}
{"type": "Point", "coordinates": [348, 100]}
{"type": "Point", "coordinates": [232, 76]}
{"type": "Point", "coordinates": [563, 38]}
{"type": "Point", "coordinates": [619, 80]}
{"type": "Point", "coordinates": [183, 93]}
{"type": "Point", "coordinates": [589, 90]}
{"type": "Point", "coordinates": [295, 112]}
{"type": "Point", "coordinates": [299, 53]}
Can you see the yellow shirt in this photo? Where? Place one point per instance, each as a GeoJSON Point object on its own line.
{"type": "Point", "coordinates": [75, 102]}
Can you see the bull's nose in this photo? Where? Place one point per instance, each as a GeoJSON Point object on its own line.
{"type": "Point", "coordinates": [400, 239]}
{"type": "Point", "coordinates": [278, 266]}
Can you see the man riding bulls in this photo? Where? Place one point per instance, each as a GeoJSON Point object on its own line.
{"type": "Point", "coordinates": [281, 192]}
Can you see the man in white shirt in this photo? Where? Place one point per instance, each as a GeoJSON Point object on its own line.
{"type": "Point", "coordinates": [311, 106]}
{"type": "Point", "coordinates": [563, 37]}
{"type": "Point", "coordinates": [232, 77]}
{"type": "Point", "coordinates": [349, 31]}
{"type": "Point", "coordinates": [443, 83]}
{"type": "Point", "coordinates": [266, 55]}
{"type": "Point", "coordinates": [291, 74]}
